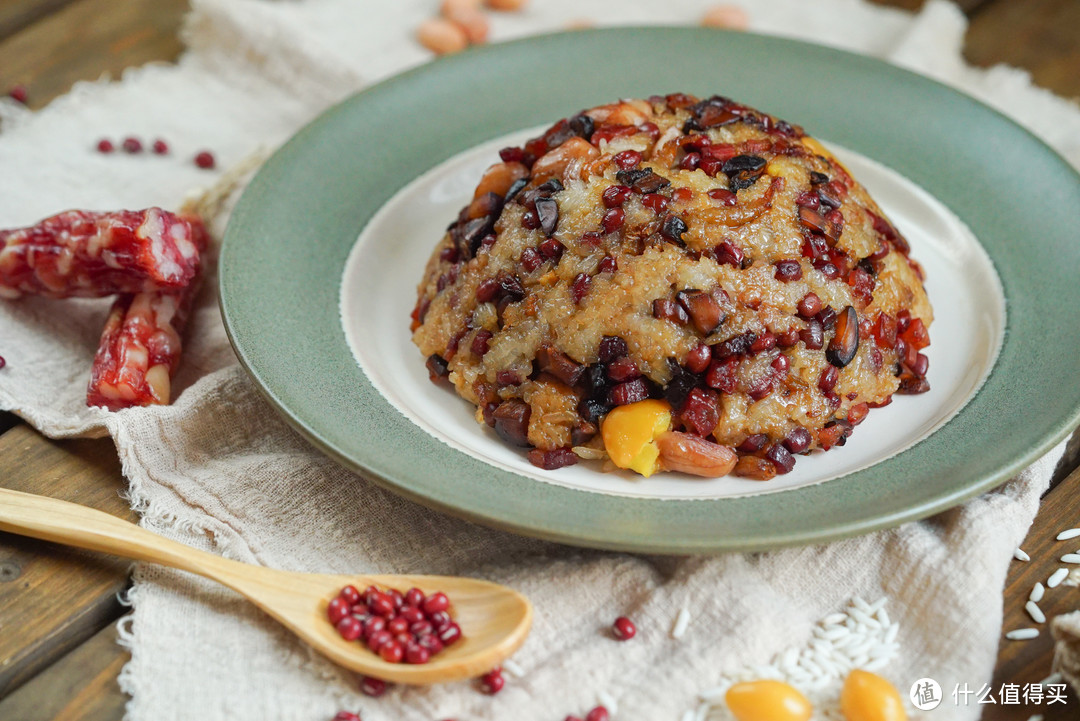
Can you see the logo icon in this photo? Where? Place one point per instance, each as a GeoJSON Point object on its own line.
{"type": "Point", "coordinates": [925, 694]}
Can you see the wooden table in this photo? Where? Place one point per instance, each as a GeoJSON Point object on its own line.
{"type": "Point", "coordinates": [59, 609]}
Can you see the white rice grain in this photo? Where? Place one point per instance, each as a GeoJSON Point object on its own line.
{"type": "Point", "coordinates": [1019, 555]}
{"type": "Point", "coordinates": [702, 712]}
{"type": "Point", "coordinates": [1071, 558]}
{"type": "Point", "coordinates": [1037, 592]}
{"type": "Point", "coordinates": [875, 664]}
{"type": "Point", "coordinates": [713, 694]}
{"type": "Point", "coordinates": [688, 716]}
{"type": "Point", "coordinates": [834, 619]}
{"type": "Point", "coordinates": [608, 701]}
{"type": "Point", "coordinates": [1022, 634]}
{"type": "Point", "coordinates": [514, 668]}
{"type": "Point", "coordinates": [682, 622]}
{"type": "Point", "coordinates": [1066, 535]}
{"type": "Point", "coordinates": [1057, 577]}
{"type": "Point", "coordinates": [861, 605]}
{"type": "Point", "coordinates": [1035, 612]}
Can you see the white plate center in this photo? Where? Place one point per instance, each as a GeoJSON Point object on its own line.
{"type": "Point", "coordinates": [378, 291]}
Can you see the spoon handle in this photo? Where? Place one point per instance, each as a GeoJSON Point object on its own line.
{"type": "Point", "coordinates": [54, 520]}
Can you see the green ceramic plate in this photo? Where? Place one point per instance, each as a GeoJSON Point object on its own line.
{"type": "Point", "coordinates": [947, 168]}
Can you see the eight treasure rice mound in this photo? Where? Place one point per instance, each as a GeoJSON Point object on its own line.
{"type": "Point", "coordinates": [673, 284]}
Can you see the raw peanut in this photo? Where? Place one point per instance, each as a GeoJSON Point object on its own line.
{"type": "Point", "coordinates": [473, 22]}
{"type": "Point", "coordinates": [506, 5]}
{"type": "Point", "coordinates": [441, 36]}
{"type": "Point", "coordinates": [499, 177]}
{"type": "Point", "coordinates": [692, 454]}
{"type": "Point", "coordinates": [449, 7]}
{"type": "Point", "coordinates": [732, 17]}
{"type": "Point", "coordinates": [631, 112]}
{"type": "Point", "coordinates": [554, 162]}
{"type": "Point", "coordinates": [754, 468]}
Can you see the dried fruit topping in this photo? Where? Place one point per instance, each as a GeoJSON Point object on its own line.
{"type": "Point", "coordinates": [512, 422]}
{"type": "Point", "coordinates": [552, 459]}
{"type": "Point", "coordinates": [743, 170]}
{"type": "Point", "coordinates": [673, 228]}
{"type": "Point", "coordinates": [845, 341]}
{"type": "Point", "coordinates": [702, 308]}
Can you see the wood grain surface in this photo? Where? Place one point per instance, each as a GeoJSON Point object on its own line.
{"type": "Point", "coordinates": [58, 608]}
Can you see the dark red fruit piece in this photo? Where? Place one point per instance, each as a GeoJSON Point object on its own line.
{"type": "Point", "coordinates": [512, 422]}
{"type": "Point", "coordinates": [701, 412]}
{"type": "Point", "coordinates": [753, 443]}
{"type": "Point", "coordinates": [597, 714]}
{"type": "Point", "coordinates": [552, 360]}
{"type": "Point", "coordinates": [704, 311]}
{"type": "Point", "coordinates": [437, 368]}
{"type": "Point", "coordinates": [673, 228]}
{"type": "Point", "coordinates": [160, 147]}
{"type": "Point", "coordinates": [622, 369]}
{"type": "Point", "coordinates": [531, 259]}
{"type": "Point", "coordinates": [450, 634]}
{"type": "Point", "coordinates": [845, 341]}
{"type": "Point", "coordinates": [547, 212]}
{"type": "Point", "coordinates": [612, 347]}
{"type": "Point", "coordinates": [415, 653]}
{"type": "Point", "coordinates": [105, 146]}
{"type": "Point", "coordinates": [721, 374]}
{"type": "Point", "coordinates": [552, 459]}
{"type": "Point", "coordinates": [392, 652]}
{"type": "Point", "coordinates": [480, 343]}
{"type": "Point", "coordinates": [666, 309]}
{"type": "Point", "coordinates": [781, 458]}
{"type": "Point", "coordinates": [607, 265]}
{"type": "Point", "coordinates": [205, 160]}
{"type": "Point", "coordinates": [551, 248]}
{"type": "Point", "coordinates": [798, 440]}
{"type": "Point", "coordinates": [629, 392]}
{"type": "Point", "coordinates": [132, 145]}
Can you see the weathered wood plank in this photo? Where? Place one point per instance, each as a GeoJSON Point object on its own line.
{"type": "Point", "coordinates": [1024, 662]}
{"type": "Point", "coordinates": [81, 686]}
{"type": "Point", "coordinates": [53, 598]}
{"type": "Point", "coordinates": [1042, 36]}
{"type": "Point", "coordinates": [86, 38]}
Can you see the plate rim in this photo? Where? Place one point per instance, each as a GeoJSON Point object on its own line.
{"type": "Point", "coordinates": [605, 539]}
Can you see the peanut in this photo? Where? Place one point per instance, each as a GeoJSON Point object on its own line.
{"type": "Point", "coordinates": [687, 453]}
{"type": "Point", "coordinates": [732, 17]}
{"type": "Point", "coordinates": [441, 36]}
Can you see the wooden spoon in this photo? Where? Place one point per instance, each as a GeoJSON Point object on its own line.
{"type": "Point", "coordinates": [494, 619]}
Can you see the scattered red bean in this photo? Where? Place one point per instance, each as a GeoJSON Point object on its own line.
{"type": "Point", "coordinates": [399, 627]}
{"type": "Point", "coordinates": [597, 714]}
{"type": "Point", "coordinates": [160, 147]}
{"type": "Point", "coordinates": [613, 220]}
{"type": "Point", "coordinates": [346, 716]}
{"type": "Point", "coordinates": [205, 160]}
{"type": "Point", "coordinates": [132, 145]}
{"type": "Point", "coordinates": [492, 682]}
{"type": "Point", "coordinates": [627, 159]}
{"type": "Point", "coordinates": [623, 628]}
{"type": "Point", "coordinates": [105, 146]}
{"type": "Point", "coordinates": [372, 686]}
{"type": "Point", "coordinates": [2, 361]}
{"type": "Point", "coordinates": [19, 94]}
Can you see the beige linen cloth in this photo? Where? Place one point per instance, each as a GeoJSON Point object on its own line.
{"type": "Point", "coordinates": [218, 470]}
